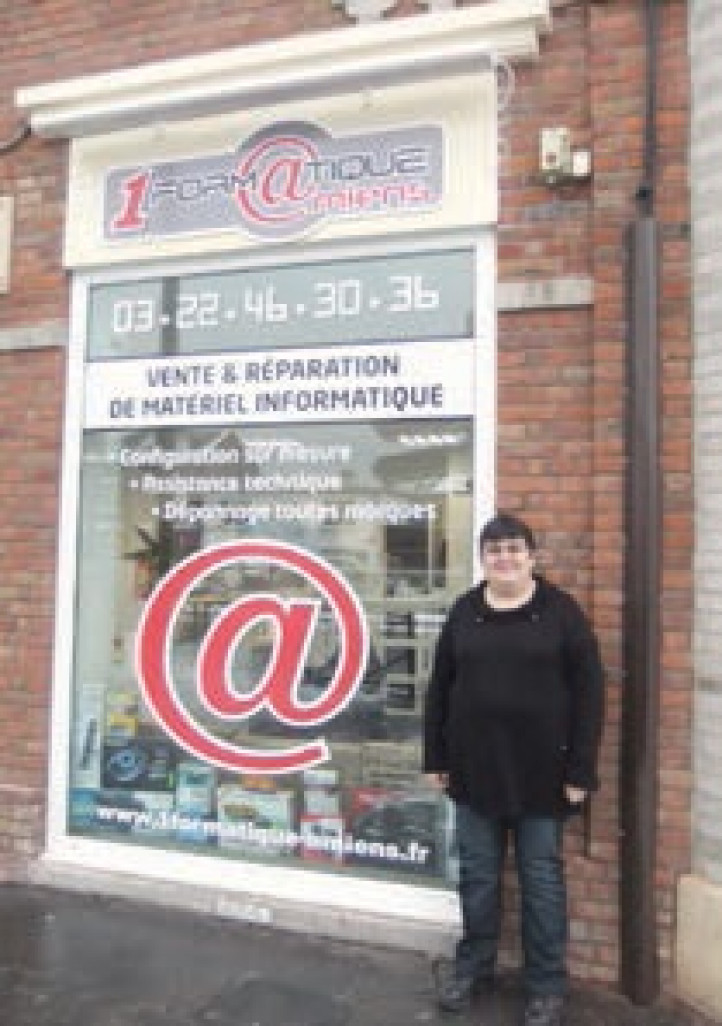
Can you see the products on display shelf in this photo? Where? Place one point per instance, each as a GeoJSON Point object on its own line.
{"type": "Point", "coordinates": [195, 799]}
{"type": "Point", "coordinates": [321, 838]}
{"type": "Point", "coordinates": [121, 714]}
{"type": "Point", "coordinates": [139, 764]}
{"type": "Point", "coordinates": [195, 788]}
{"type": "Point", "coordinates": [400, 830]}
{"type": "Point", "coordinates": [321, 795]}
{"type": "Point", "coordinates": [391, 765]}
{"type": "Point", "coordinates": [255, 822]}
{"type": "Point", "coordinates": [156, 818]}
{"type": "Point", "coordinates": [85, 762]}
{"type": "Point", "coordinates": [81, 808]}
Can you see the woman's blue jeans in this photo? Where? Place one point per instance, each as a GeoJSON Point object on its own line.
{"type": "Point", "coordinates": [538, 850]}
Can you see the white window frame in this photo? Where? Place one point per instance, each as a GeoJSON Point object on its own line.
{"type": "Point", "coordinates": [250, 885]}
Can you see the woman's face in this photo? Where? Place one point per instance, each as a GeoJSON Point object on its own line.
{"type": "Point", "coordinates": [508, 565]}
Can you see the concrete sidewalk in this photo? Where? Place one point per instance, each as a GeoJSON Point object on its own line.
{"type": "Point", "coordinates": [75, 960]}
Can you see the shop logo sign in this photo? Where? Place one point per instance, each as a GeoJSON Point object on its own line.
{"type": "Point", "coordinates": [282, 181]}
{"type": "Point", "coordinates": [293, 621]}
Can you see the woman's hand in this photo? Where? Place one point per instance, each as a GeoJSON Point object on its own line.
{"type": "Point", "coordinates": [574, 795]}
{"type": "Point", "coordinates": [438, 780]}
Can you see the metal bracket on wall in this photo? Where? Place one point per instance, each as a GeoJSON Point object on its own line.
{"type": "Point", "coordinates": [6, 235]}
{"type": "Point", "coordinates": [374, 10]}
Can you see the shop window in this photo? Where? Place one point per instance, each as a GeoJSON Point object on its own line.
{"type": "Point", "coordinates": [385, 501]}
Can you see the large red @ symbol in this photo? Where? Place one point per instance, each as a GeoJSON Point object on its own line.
{"type": "Point", "coordinates": [292, 620]}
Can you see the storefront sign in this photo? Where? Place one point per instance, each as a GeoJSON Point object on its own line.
{"type": "Point", "coordinates": [414, 157]}
{"type": "Point", "coordinates": [283, 180]}
{"type": "Point", "coordinates": [364, 383]}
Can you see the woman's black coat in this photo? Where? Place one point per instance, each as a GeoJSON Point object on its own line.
{"type": "Point", "coordinates": [515, 703]}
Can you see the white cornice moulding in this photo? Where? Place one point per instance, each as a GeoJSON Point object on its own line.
{"type": "Point", "coordinates": [297, 67]}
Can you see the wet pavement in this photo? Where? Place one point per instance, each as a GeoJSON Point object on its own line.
{"type": "Point", "coordinates": [69, 959]}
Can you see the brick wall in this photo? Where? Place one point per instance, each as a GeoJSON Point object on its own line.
{"type": "Point", "coordinates": [561, 372]}
{"type": "Point", "coordinates": [30, 424]}
{"type": "Point", "coordinates": [561, 401]}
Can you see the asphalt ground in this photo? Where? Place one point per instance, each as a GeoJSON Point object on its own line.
{"type": "Point", "coordinates": [70, 959]}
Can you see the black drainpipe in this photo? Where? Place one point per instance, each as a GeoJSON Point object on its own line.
{"type": "Point", "coordinates": [641, 621]}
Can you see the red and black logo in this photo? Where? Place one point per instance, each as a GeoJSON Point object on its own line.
{"type": "Point", "coordinates": [281, 181]}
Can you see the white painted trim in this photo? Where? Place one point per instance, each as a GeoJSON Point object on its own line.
{"type": "Point", "coordinates": [58, 776]}
{"type": "Point", "coordinates": [301, 66]}
{"type": "Point", "coordinates": [263, 885]}
{"type": "Point", "coordinates": [342, 922]}
{"type": "Point", "coordinates": [6, 241]}
{"type": "Point", "coordinates": [45, 335]}
{"type": "Point", "coordinates": [314, 251]}
{"type": "Point", "coordinates": [486, 416]}
{"type": "Point", "coordinates": [545, 293]}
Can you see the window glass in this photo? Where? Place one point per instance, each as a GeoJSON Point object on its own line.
{"type": "Point", "coordinates": [389, 507]}
{"type": "Point", "coordinates": [258, 600]}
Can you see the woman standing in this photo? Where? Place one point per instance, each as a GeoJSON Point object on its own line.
{"type": "Point", "coordinates": [511, 732]}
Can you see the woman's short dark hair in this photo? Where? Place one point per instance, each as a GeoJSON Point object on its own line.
{"type": "Point", "coordinates": [503, 527]}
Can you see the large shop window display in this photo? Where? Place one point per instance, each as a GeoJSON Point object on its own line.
{"type": "Point", "coordinates": [259, 593]}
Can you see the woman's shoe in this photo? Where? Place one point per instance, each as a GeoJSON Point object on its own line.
{"type": "Point", "coordinates": [544, 1010]}
{"type": "Point", "coordinates": [454, 989]}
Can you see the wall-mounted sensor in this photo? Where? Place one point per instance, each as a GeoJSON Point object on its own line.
{"type": "Point", "coordinates": [559, 163]}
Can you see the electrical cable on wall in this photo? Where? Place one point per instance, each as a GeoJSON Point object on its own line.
{"type": "Point", "coordinates": [20, 136]}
